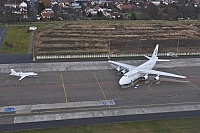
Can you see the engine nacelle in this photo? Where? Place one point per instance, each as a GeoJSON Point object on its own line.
{"type": "Point", "coordinates": [145, 77]}
{"type": "Point", "coordinates": [156, 78]}
{"type": "Point", "coordinates": [118, 69]}
{"type": "Point", "coordinates": [123, 72]}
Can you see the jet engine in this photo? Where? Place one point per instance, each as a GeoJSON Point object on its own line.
{"type": "Point", "coordinates": [145, 77]}
{"type": "Point", "coordinates": [123, 72]}
{"type": "Point", "coordinates": [156, 78]}
{"type": "Point", "coordinates": [118, 69]}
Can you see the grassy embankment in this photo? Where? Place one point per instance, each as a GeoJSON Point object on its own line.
{"type": "Point", "coordinates": [18, 36]}
{"type": "Point", "coordinates": [179, 125]}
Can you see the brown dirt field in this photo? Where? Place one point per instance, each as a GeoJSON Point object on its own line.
{"type": "Point", "coordinates": [93, 38]}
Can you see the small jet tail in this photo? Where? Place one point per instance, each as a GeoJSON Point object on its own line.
{"type": "Point", "coordinates": [12, 71]}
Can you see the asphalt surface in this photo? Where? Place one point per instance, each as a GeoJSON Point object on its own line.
{"type": "Point", "coordinates": [94, 85]}
{"type": "Point", "coordinates": [74, 122]}
{"type": "Point", "coordinates": [93, 81]}
{"type": "Point", "coordinates": [16, 58]}
{"type": "Point", "coordinates": [28, 58]}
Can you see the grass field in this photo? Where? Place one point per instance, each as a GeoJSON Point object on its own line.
{"type": "Point", "coordinates": [18, 36]}
{"type": "Point", "coordinates": [179, 125]}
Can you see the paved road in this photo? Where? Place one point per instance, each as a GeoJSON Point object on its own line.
{"type": "Point", "coordinates": [15, 58]}
{"type": "Point", "coordinates": [72, 122]}
{"type": "Point", "coordinates": [28, 58]}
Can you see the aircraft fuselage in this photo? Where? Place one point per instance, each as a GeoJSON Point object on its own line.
{"type": "Point", "coordinates": [132, 75]}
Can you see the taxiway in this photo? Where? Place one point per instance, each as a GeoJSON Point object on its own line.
{"type": "Point", "coordinates": [78, 87]}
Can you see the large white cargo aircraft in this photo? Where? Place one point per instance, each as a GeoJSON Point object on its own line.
{"type": "Point", "coordinates": [22, 75]}
{"type": "Point", "coordinates": [131, 73]}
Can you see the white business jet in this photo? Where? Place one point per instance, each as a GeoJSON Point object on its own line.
{"type": "Point", "coordinates": [22, 75]}
{"type": "Point", "coordinates": [131, 73]}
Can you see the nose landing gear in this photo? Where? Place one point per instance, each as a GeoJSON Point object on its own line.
{"type": "Point", "coordinates": [134, 83]}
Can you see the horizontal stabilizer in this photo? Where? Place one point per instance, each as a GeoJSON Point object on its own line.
{"type": "Point", "coordinates": [147, 57]}
{"type": "Point", "coordinates": [156, 59]}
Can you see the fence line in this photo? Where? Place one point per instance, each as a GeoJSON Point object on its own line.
{"type": "Point", "coordinates": [42, 57]}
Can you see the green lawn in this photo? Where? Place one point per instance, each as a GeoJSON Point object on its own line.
{"type": "Point", "coordinates": [179, 125]}
{"type": "Point", "coordinates": [18, 35]}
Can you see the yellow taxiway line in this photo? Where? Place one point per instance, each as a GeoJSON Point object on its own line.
{"type": "Point", "coordinates": [190, 82]}
{"type": "Point", "coordinates": [63, 84]}
{"type": "Point", "coordinates": [193, 85]}
{"type": "Point", "coordinates": [100, 88]}
{"type": "Point", "coordinates": [149, 86]}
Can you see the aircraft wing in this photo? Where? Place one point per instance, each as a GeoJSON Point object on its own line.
{"type": "Point", "coordinates": [22, 77]}
{"type": "Point", "coordinates": [155, 72]}
{"type": "Point", "coordinates": [123, 65]}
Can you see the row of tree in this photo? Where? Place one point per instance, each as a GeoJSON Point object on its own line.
{"type": "Point", "coordinates": [170, 12]}
{"type": "Point", "coordinates": [152, 12]}
{"type": "Point", "coordinates": [148, 12]}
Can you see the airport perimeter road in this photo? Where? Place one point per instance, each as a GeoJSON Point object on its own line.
{"type": "Point", "coordinates": [73, 90]}
{"type": "Point", "coordinates": [15, 58]}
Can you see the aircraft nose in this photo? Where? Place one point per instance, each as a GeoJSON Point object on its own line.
{"type": "Point", "coordinates": [123, 81]}
{"type": "Point", "coordinates": [120, 82]}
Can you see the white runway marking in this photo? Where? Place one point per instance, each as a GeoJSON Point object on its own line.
{"type": "Point", "coordinates": [91, 65]}
{"type": "Point", "coordinates": [104, 113]}
{"type": "Point", "coordinates": [28, 108]}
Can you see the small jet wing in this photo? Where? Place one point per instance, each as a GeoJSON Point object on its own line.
{"type": "Point", "coordinates": [155, 72]}
{"type": "Point", "coordinates": [123, 65]}
{"type": "Point", "coordinates": [22, 77]}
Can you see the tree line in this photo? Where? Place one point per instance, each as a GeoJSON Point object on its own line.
{"type": "Point", "coordinates": [146, 12]}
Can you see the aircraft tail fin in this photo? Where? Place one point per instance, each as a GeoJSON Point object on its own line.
{"type": "Point", "coordinates": [12, 71]}
{"type": "Point", "coordinates": [155, 52]}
